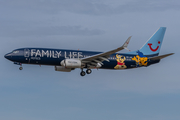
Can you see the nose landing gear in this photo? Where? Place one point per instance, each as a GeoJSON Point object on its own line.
{"type": "Point", "coordinates": [17, 63]}
{"type": "Point", "coordinates": [20, 68]}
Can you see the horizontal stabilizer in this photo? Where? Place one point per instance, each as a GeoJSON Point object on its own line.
{"type": "Point", "coordinates": [160, 57]}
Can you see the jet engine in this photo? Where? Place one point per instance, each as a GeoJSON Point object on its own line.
{"type": "Point", "coordinates": [62, 69]}
{"type": "Point", "coordinates": [71, 63]}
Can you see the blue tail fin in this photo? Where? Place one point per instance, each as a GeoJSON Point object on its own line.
{"type": "Point", "coordinates": [153, 45]}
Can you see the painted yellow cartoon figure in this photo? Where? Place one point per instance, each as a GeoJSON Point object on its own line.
{"type": "Point", "coordinates": [144, 61]}
{"type": "Point", "coordinates": [140, 61]}
{"type": "Point", "coordinates": [120, 62]}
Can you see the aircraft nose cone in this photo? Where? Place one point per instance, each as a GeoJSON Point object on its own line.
{"type": "Point", "coordinates": [7, 56]}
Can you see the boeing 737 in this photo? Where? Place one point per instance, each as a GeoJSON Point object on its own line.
{"type": "Point", "coordinates": [68, 60]}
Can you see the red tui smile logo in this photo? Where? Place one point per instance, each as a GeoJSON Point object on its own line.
{"type": "Point", "coordinates": [154, 50]}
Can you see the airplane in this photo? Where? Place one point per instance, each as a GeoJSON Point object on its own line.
{"type": "Point", "coordinates": [67, 60]}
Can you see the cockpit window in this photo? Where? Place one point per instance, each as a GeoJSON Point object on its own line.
{"type": "Point", "coordinates": [15, 52]}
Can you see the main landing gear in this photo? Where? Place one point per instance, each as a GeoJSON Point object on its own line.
{"type": "Point", "coordinates": [82, 73]}
{"type": "Point", "coordinates": [88, 71]}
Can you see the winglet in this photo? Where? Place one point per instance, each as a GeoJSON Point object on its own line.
{"type": "Point", "coordinates": [126, 43]}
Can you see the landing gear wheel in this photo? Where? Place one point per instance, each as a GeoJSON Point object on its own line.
{"type": "Point", "coordinates": [88, 71]}
{"type": "Point", "coordinates": [20, 68]}
{"type": "Point", "coordinates": [82, 73]}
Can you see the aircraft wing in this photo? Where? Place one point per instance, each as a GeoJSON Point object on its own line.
{"type": "Point", "coordinates": [93, 60]}
{"type": "Point", "coordinates": [160, 57]}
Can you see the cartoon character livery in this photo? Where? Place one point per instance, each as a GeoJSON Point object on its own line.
{"type": "Point", "coordinates": [120, 62]}
{"type": "Point", "coordinates": [68, 60]}
{"type": "Point", "coordinates": [140, 59]}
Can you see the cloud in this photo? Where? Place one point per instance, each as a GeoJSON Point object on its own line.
{"type": "Point", "coordinates": [48, 31]}
{"type": "Point", "coordinates": [91, 7]}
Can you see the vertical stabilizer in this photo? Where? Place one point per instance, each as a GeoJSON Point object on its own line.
{"type": "Point", "coordinates": [153, 45]}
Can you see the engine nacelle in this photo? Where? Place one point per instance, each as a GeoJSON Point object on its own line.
{"type": "Point", "coordinates": [62, 69]}
{"type": "Point", "coordinates": [71, 63]}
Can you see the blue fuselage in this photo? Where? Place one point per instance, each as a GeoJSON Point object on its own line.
{"type": "Point", "coordinates": [44, 56]}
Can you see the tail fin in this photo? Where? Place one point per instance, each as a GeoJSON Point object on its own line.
{"type": "Point", "coordinates": [153, 45]}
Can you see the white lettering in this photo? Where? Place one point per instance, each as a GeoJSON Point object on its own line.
{"type": "Point", "coordinates": [70, 55]}
{"type": "Point", "coordinates": [80, 55]}
{"type": "Point", "coordinates": [74, 54]}
{"type": "Point", "coordinates": [35, 58]}
{"type": "Point", "coordinates": [65, 55]}
{"type": "Point", "coordinates": [50, 54]}
{"type": "Point", "coordinates": [58, 53]}
{"type": "Point", "coordinates": [45, 53]}
{"type": "Point", "coordinates": [33, 52]}
{"type": "Point", "coordinates": [54, 55]}
{"type": "Point", "coordinates": [38, 53]}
